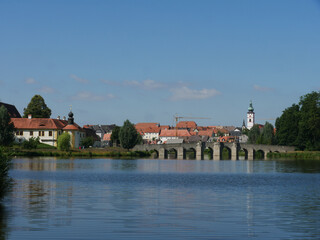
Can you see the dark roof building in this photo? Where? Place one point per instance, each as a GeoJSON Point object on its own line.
{"type": "Point", "coordinates": [12, 110]}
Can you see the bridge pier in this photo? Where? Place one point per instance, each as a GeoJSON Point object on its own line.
{"type": "Point", "coordinates": [181, 153]}
{"type": "Point", "coordinates": [199, 151]}
{"type": "Point", "coordinates": [217, 151]}
{"type": "Point", "coordinates": [234, 152]}
{"type": "Point", "coordinates": [162, 153]}
{"type": "Point", "coordinates": [251, 154]}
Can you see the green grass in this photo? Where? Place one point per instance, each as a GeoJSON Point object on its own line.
{"type": "Point", "coordinates": [110, 152]}
{"type": "Point", "coordinates": [299, 155]}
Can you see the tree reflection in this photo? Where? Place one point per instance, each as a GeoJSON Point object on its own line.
{"type": "Point", "coordinates": [3, 223]}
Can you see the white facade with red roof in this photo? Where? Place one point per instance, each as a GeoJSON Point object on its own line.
{"type": "Point", "coordinates": [47, 129]}
{"type": "Point", "coordinates": [148, 131]}
{"type": "Point", "coordinates": [165, 135]}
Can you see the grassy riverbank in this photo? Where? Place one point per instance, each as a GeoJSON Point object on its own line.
{"type": "Point", "coordinates": [299, 155]}
{"type": "Point", "coordinates": [115, 152]}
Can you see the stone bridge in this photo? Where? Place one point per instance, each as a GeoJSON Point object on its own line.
{"type": "Point", "coordinates": [215, 149]}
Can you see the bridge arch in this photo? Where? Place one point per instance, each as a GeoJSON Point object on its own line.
{"type": "Point", "coordinates": [190, 153]}
{"type": "Point", "coordinates": [243, 154]}
{"type": "Point", "coordinates": [208, 153]}
{"type": "Point", "coordinates": [172, 153]}
{"type": "Point", "coordinates": [154, 154]}
{"type": "Point", "coordinates": [226, 153]}
{"type": "Point", "coordinates": [259, 154]}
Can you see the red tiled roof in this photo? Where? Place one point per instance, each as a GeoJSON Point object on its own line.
{"type": "Point", "coordinates": [71, 127]}
{"type": "Point", "coordinates": [38, 123]}
{"type": "Point", "coordinates": [147, 128]}
{"type": "Point", "coordinates": [165, 127]}
{"type": "Point", "coordinates": [186, 124]}
{"type": "Point", "coordinates": [107, 137]}
{"type": "Point", "coordinates": [209, 133]}
{"type": "Point", "coordinates": [175, 133]}
{"type": "Point", "coordinates": [43, 123]}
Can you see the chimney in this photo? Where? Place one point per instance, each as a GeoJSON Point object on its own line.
{"type": "Point", "coordinates": [64, 118]}
{"type": "Point", "coordinates": [29, 116]}
{"type": "Point", "coordinates": [58, 117]}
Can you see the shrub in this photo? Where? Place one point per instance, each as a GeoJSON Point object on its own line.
{"type": "Point", "coordinates": [5, 180]}
{"type": "Point", "coordinates": [32, 143]}
{"type": "Point", "coordinates": [64, 142]}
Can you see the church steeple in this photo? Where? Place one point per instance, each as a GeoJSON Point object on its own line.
{"type": "Point", "coordinates": [70, 119]}
{"type": "Point", "coordinates": [250, 116]}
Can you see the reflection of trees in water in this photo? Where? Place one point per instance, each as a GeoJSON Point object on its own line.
{"type": "Point", "coordinates": [124, 165]}
{"type": "Point", "coordinates": [303, 166]}
{"type": "Point", "coordinates": [41, 199]}
{"type": "Point", "coordinates": [3, 223]}
{"type": "Point", "coordinates": [299, 213]}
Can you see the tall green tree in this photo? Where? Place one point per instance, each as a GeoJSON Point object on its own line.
{"type": "Point", "coordinates": [37, 108]}
{"type": "Point", "coordinates": [115, 136]}
{"type": "Point", "coordinates": [309, 124]}
{"type": "Point", "coordinates": [254, 134]}
{"type": "Point", "coordinates": [6, 128]}
{"type": "Point", "coordinates": [268, 134]}
{"type": "Point", "coordinates": [64, 142]}
{"type": "Point", "coordinates": [287, 126]}
{"type": "Point", "coordinates": [128, 135]}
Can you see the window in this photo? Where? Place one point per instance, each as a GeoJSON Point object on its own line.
{"type": "Point", "coordinates": [19, 133]}
{"type": "Point", "coordinates": [31, 133]}
{"type": "Point", "coordinates": [50, 133]}
{"type": "Point", "coordinates": [41, 133]}
{"type": "Point", "coordinates": [249, 120]}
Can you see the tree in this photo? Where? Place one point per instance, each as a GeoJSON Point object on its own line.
{"type": "Point", "coordinates": [5, 180]}
{"type": "Point", "coordinates": [287, 126]}
{"type": "Point", "coordinates": [309, 124]}
{"type": "Point", "coordinates": [37, 108]}
{"type": "Point", "coordinates": [115, 136]}
{"type": "Point", "coordinates": [268, 134]}
{"type": "Point", "coordinates": [64, 142]}
{"type": "Point", "coordinates": [6, 128]}
{"type": "Point", "coordinates": [128, 135]}
{"type": "Point", "coordinates": [254, 134]}
{"type": "Point", "coordinates": [87, 142]}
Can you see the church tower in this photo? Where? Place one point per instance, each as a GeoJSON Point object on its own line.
{"type": "Point", "coordinates": [250, 116]}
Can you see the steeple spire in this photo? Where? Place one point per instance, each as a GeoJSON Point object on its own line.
{"type": "Point", "coordinates": [250, 108]}
{"type": "Point", "coordinates": [70, 119]}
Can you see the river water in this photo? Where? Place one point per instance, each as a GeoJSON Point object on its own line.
{"type": "Point", "coordinates": [162, 199]}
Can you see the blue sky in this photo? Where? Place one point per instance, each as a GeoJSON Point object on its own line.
{"type": "Point", "coordinates": [148, 60]}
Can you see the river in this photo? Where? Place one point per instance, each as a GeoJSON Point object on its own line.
{"type": "Point", "coordinates": [162, 199]}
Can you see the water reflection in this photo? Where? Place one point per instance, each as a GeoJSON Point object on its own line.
{"type": "Point", "coordinates": [103, 198]}
{"type": "Point", "coordinates": [3, 223]}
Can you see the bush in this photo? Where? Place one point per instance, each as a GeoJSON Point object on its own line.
{"type": "Point", "coordinates": [64, 142]}
{"type": "Point", "coordinates": [87, 142]}
{"type": "Point", "coordinates": [32, 143]}
{"type": "Point", "coordinates": [5, 180]}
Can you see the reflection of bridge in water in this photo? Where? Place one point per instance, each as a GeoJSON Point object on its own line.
{"type": "Point", "coordinates": [215, 149]}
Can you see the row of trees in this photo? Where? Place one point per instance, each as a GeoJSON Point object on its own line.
{"type": "Point", "coordinates": [299, 125]}
{"type": "Point", "coordinates": [262, 135]}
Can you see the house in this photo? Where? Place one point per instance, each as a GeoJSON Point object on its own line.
{"type": "Point", "coordinates": [165, 135]}
{"type": "Point", "coordinates": [48, 130]}
{"type": "Point", "coordinates": [228, 139]}
{"type": "Point", "coordinates": [149, 131]}
{"type": "Point", "coordinates": [106, 140]}
{"type": "Point", "coordinates": [100, 130]}
{"type": "Point", "coordinates": [12, 110]}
